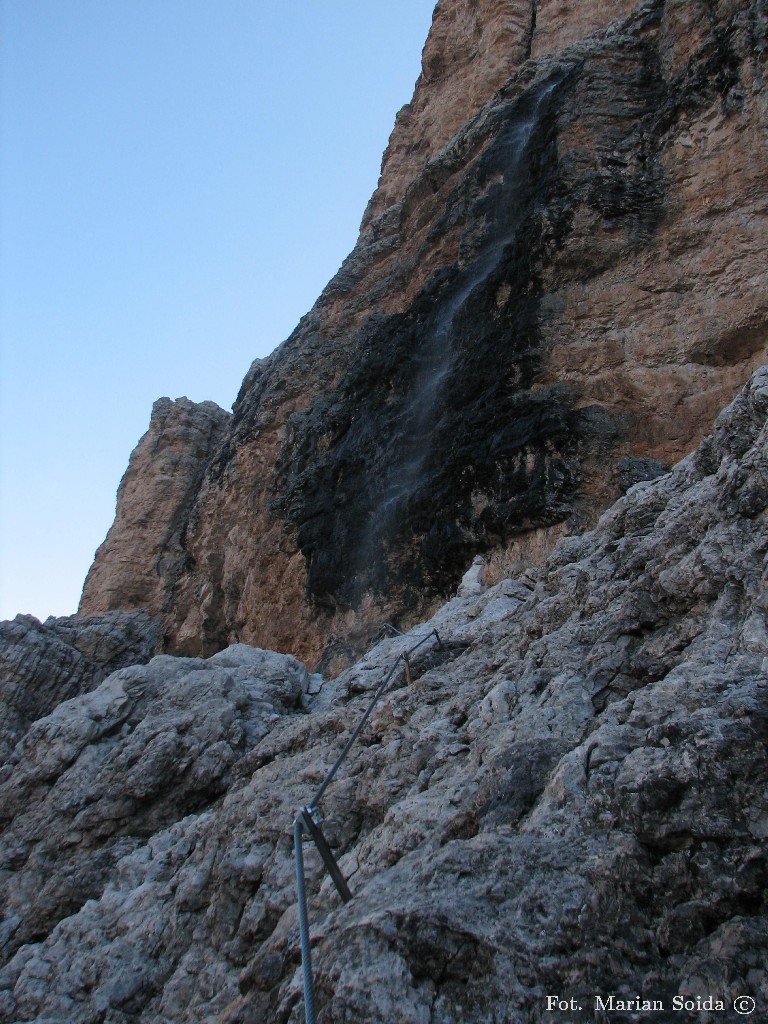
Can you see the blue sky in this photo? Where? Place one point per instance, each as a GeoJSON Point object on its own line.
{"type": "Point", "coordinates": [178, 181]}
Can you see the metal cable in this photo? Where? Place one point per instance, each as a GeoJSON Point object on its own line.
{"type": "Point", "coordinates": [359, 728]}
{"type": "Point", "coordinates": [348, 745]}
{"type": "Point", "coordinates": [306, 961]}
{"type": "Point", "coordinates": [304, 821]}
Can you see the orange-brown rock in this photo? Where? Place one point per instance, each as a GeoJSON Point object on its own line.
{"type": "Point", "coordinates": [471, 51]}
{"type": "Point", "coordinates": [558, 282]}
{"type": "Point", "coordinates": [144, 550]}
{"type": "Point", "coordinates": [560, 23]}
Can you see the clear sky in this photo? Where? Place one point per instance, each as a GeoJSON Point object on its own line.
{"type": "Point", "coordinates": [178, 181]}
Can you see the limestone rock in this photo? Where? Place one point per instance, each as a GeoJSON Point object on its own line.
{"type": "Point", "coordinates": [105, 771]}
{"type": "Point", "coordinates": [144, 551]}
{"type": "Point", "coordinates": [560, 24]}
{"type": "Point", "coordinates": [472, 581]}
{"type": "Point", "coordinates": [560, 281]}
{"type": "Point", "coordinates": [568, 797]}
{"type": "Point", "coordinates": [480, 45]}
{"type": "Point", "coordinates": [43, 664]}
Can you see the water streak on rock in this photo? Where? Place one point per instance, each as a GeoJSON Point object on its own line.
{"type": "Point", "coordinates": [421, 407]}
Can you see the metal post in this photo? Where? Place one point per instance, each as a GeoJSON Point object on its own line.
{"type": "Point", "coordinates": [305, 823]}
{"type": "Point", "coordinates": [313, 828]}
{"type": "Point", "coordinates": [306, 962]}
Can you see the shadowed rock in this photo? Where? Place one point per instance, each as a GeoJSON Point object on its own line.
{"type": "Point", "coordinates": [570, 795]}
{"type": "Point", "coordinates": [43, 664]}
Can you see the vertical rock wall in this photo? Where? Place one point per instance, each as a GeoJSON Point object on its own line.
{"type": "Point", "coordinates": [558, 282]}
{"type": "Point", "coordinates": [144, 551]}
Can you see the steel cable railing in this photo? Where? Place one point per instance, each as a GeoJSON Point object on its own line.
{"type": "Point", "coordinates": [309, 819]}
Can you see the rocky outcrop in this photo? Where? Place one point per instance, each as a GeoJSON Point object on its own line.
{"type": "Point", "coordinates": [559, 281]}
{"type": "Point", "coordinates": [104, 772]}
{"type": "Point", "coordinates": [478, 45]}
{"type": "Point", "coordinates": [144, 551]}
{"type": "Point", "coordinates": [42, 664]}
{"type": "Point", "coordinates": [568, 797]}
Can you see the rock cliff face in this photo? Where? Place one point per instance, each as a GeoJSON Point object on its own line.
{"type": "Point", "coordinates": [568, 796]}
{"type": "Point", "coordinates": [143, 554]}
{"type": "Point", "coordinates": [558, 282]}
{"type": "Point", "coordinates": [42, 664]}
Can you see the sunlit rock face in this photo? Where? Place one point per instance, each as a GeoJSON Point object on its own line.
{"type": "Point", "coordinates": [559, 281]}
{"type": "Point", "coordinates": [144, 551]}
